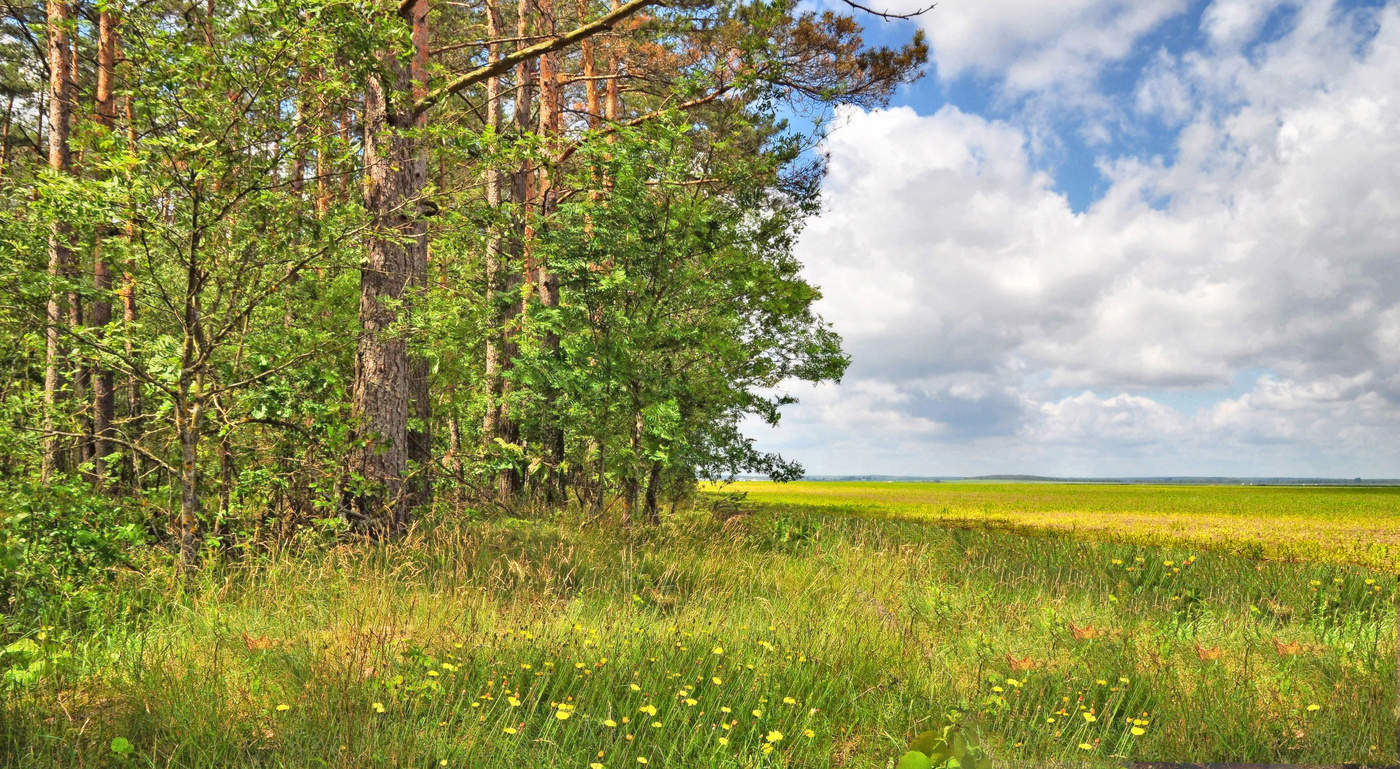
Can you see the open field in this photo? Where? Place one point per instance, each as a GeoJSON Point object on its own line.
{"type": "Point", "coordinates": [791, 638]}
{"type": "Point", "coordinates": [1351, 525]}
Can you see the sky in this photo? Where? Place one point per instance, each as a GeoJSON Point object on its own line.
{"type": "Point", "coordinates": [1116, 238]}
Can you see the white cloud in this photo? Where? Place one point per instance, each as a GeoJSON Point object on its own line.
{"type": "Point", "coordinates": [1235, 22]}
{"type": "Point", "coordinates": [1037, 45]}
{"type": "Point", "coordinates": [992, 325]}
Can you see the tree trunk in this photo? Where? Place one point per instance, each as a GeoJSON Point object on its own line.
{"type": "Point", "coordinates": [191, 392]}
{"type": "Point", "coordinates": [5, 134]}
{"type": "Point", "coordinates": [587, 52]}
{"type": "Point", "coordinates": [187, 427]}
{"type": "Point", "coordinates": [381, 397]}
{"type": "Point", "coordinates": [633, 484]}
{"type": "Point", "coordinates": [420, 436]}
{"type": "Point", "coordinates": [653, 484]}
{"type": "Point", "coordinates": [103, 395]}
{"type": "Point", "coordinates": [60, 257]}
{"type": "Point", "coordinates": [547, 281]}
{"type": "Point", "coordinates": [128, 297]}
{"type": "Point", "coordinates": [502, 311]}
{"type": "Point", "coordinates": [509, 480]}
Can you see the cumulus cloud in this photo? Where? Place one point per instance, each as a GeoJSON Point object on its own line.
{"type": "Point", "coordinates": [993, 328]}
{"type": "Point", "coordinates": [1036, 45]}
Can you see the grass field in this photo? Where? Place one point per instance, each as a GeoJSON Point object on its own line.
{"type": "Point", "coordinates": [795, 635]}
{"type": "Point", "coordinates": [1354, 525]}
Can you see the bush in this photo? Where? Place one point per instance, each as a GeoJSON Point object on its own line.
{"type": "Point", "coordinates": [60, 546]}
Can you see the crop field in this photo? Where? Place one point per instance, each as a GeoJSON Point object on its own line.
{"type": "Point", "coordinates": [1353, 525]}
{"type": "Point", "coordinates": [782, 634]}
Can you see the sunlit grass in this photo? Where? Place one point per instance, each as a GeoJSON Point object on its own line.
{"type": "Point", "coordinates": [802, 640]}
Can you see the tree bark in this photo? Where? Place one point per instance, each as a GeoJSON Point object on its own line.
{"type": "Point", "coordinates": [509, 480]}
{"type": "Point", "coordinates": [420, 436]}
{"type": "Point", "coordinates": [633, 483]}
{"type": "Point", "coordinates": [653, 487]}
{"type": "Point", "coordinates": [394, 179]}
{"type": "Point", "coordinates": [495, 262]}
{"type": "Point", "coordinates": [103, 394]}
{"type": "Point", "coordinates": [588, 54]}
{"type": "Point", "coordinates": [189, 406]}
{"type": "Point", "coordinates": [60, 256]}
{"type": "Point", "coordinates": [128, 297]}
{"type": "Point", "coordinates": [548, 283]}
{"type": "Point", "coordinates": [5, 134]}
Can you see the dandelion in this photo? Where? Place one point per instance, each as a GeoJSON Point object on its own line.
{"type": "Point", "coordinates": [648, 709]}
{"type": "Point", "coordinates": [563, 715]}
{"type": "Point", "coordinates": [656, 724]}
{"type": "Point", "coordinates": [808, 733]}
{"type": "Point", "coordinates": [789, 701]}
{"type": "Point", "coordinates": [1314, 708]}
{"type": "Point", "coordinates": [509, 730]}
{"type": "Point", "coordinates": [611, 724]}
{"type": "Point", "coordinates": [774, 736]}
{"type": "Point", "coordinates": [757, 713]}
{"type": "Point", "coordinates": [378, 707]}
{"type": "Point", "coordinates": [724, 709]}
{"type": "Point", "coordinates": [691, 701]}
{"type": "Point", "coordinates": [717, 650]}
{"type": "Point", "coordinates": [634, 687]}
{"type": "Point", "coordinates": [595, 765]}
{"type": "Point", "coordinates": [442, 762]}
{"type": "Point", "coordinates": [1089, 717]}
{"type": "Point", "coordinates": [716, 681]}
{"type": "Point", "coordinates": [515, 703]}
{"type": "Point", "coordinates": [767, 748]}
{"type": "Point", "coordinates": [1138, 731]}
{"type": "Point", "coordinates": [724, 740]}
{"type": "Point", "coordinates": [641, 759]}
{"type": "Point", "coordinates": [283, 707]}
{"type": "Point", "coordinates": [1085, 746]}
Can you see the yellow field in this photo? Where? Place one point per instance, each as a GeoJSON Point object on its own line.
{"type": "Point", "coordinates": [1348, 525]}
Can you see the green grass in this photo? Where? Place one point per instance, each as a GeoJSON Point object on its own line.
{"type": "Point", "coordinates": [1352, 525]}
{"type": "Point", "coordinates": [874, 628]}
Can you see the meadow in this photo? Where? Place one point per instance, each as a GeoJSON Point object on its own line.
{"type": "Point", "coordinates": [781, 632]}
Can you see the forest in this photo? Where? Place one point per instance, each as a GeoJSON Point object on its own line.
{"type": "Point", "coordinates": [323, 265]}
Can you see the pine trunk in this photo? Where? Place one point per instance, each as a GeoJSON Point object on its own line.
{"type": "Point", "coordinates": [394, 179]}
{"type": "Point", "coordinates": [547, 281]}
{"type": "Point", "coordinates": [495, 262]}
{"type": "Point", "coordinates": [103, 394]}
{"type": "Point", "coordinates": [420, 436]}
{"type": "Point", "coordinates": [60, 256]}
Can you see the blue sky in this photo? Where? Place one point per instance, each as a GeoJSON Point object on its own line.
{"type": "Point", "coordinates": [1117, 237]}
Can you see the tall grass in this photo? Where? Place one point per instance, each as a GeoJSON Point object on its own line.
{"type": "Point", "coordinates": [776, 639]}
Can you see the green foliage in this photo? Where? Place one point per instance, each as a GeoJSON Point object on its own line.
{"type": "Point", "coordinates": [946, 748]}
{"type": "Point", "coordinates": [60, 546]}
